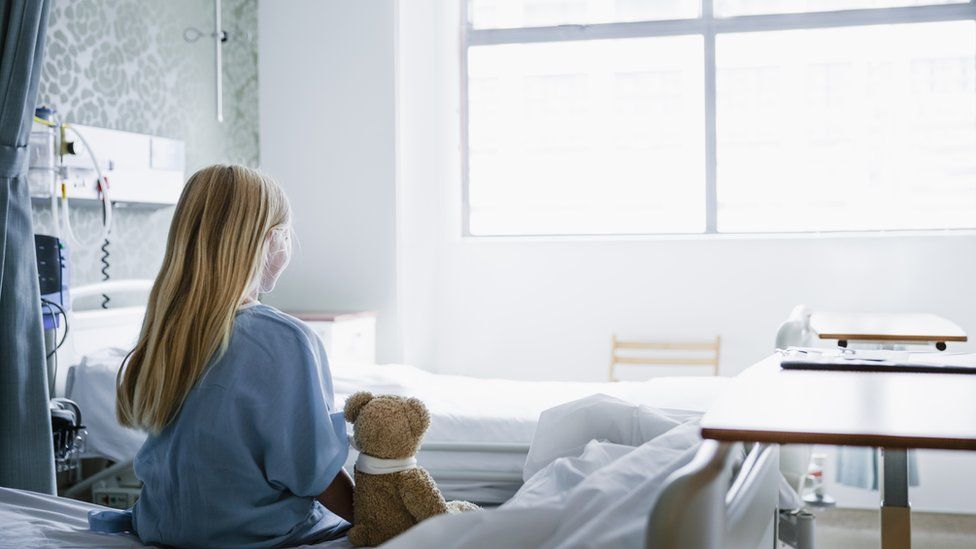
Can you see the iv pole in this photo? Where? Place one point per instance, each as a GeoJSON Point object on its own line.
{"type": "Point", "coordinates": [192, 34]}
{"type": "Point", "coordinates": [219, 38]}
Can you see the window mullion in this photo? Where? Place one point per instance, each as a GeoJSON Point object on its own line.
{"type": "Point", "coordinates": [464, 123]}
{"type": "Point", "coordinates": [711, 162]}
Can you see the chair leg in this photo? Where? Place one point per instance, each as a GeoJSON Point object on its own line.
{"type": "Point", "coordinates": [613, 356]}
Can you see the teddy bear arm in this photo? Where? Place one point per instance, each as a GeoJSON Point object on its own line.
{"type": "Point", "coordinates": [421, 497]}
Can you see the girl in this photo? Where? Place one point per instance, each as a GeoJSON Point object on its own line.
{"type": "Point", "coordinates": [236, 396]}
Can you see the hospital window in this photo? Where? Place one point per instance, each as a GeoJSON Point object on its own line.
{"type": "Point", "coordinates": [589, 117]}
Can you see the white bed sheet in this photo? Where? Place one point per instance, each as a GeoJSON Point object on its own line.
{"type": "Point", "coordinates": [28, 519]}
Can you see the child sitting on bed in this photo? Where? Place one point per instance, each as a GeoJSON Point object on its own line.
{"type": "Point", "coordinates": [244, 449]}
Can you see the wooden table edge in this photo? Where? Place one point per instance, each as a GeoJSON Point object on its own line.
{"type": "Point", "coordinates": [866, 337]}
{"type": "Point", "coordinates": [836, 439]}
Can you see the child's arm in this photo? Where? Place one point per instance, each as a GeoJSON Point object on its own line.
{"type": "Point", "coordinates": [337, 497]}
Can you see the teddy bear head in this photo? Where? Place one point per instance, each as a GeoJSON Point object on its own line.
{"type": "Point", "coordinates": [387, 426]}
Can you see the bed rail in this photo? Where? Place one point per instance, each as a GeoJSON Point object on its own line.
{"type": "Point", "coordinates": [474, 475]}
{"type": "Point", "coordinates": [112, 286]}
{"type": "Point", "coordinates": [513, 478]}
{"type": "Point", "coordinates": [751, 504]}
{"type": "Point", "coordinates": [494, 447]}
{"type": "Point", "coordinates": [703, 506]}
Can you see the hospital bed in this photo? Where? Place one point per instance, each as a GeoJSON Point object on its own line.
{"type": "Point", "coordinates": [479, 436]}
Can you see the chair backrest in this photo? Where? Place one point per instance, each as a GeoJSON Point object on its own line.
{"type": "Point", "coordinates": [664, 353]}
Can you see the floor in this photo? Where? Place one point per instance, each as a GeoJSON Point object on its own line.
{"type": "Point", "coordinates": [860, 529]}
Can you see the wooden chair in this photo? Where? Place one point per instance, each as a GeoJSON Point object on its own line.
{"type": "Point", "coordinates": [664, 353]}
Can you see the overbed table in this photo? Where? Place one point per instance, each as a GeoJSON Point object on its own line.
{"type": "Point", "coordinates": [892, 411]}
{"type": "Point", "coordinates": [886, 328]}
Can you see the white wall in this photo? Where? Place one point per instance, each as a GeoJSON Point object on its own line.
{"type": "Point", "coordinates": [546, 308]}
{"type": "Point", "coordinates": [327, 95]}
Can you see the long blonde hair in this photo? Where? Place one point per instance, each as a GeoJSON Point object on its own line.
{"type": "Point", "coordinates": [214, 256]}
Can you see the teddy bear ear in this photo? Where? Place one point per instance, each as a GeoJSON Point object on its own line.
{"type": "Point", "coordinates": [417, 415]}
{"type": "Point", "coordinates": [355, 403]}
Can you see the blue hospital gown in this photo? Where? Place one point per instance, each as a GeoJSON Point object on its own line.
{"type": "Point", "coordinates": [255, 441]}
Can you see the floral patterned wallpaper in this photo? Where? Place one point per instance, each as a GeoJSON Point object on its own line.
{"type": "Point", "coordinates": [124, 64]}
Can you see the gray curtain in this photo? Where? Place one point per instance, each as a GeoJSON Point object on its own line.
{"type": "Point", "coordinates": [26, 451]}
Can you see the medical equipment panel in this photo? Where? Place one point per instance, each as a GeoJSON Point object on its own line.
{"type": "Point", "coordinates": [140, 169]}
{"type": "Point", "coordinates": [52, 276]}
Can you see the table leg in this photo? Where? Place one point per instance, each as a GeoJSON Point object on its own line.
{"type": "Point", "coordinates": [896, 518]}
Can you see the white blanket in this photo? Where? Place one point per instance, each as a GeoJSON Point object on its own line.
{"type": "Point", "coordinates": [595, 495]}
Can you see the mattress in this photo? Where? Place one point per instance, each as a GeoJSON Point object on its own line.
{"type": "Point", "coordinates": [39, 521]}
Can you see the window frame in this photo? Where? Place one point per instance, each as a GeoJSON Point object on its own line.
{"type": "Point", "coordinates": [707, 25]}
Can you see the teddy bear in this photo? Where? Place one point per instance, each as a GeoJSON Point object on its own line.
{"type": "Point", "coordinates": [392, 493]}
